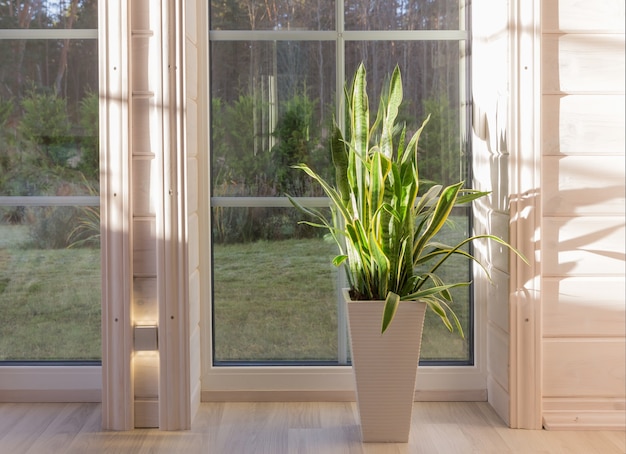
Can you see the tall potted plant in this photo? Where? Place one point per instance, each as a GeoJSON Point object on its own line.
{"type": "Point", "coordinates": [386, 237]}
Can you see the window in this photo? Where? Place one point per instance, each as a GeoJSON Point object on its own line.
{"type": "Point", "coordinates": [277, 71]}
{"type": "Point", "coordinates": [49, 169]}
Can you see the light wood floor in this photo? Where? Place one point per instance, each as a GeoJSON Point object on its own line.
{"type": "Point", "coordinates": [275, 428]}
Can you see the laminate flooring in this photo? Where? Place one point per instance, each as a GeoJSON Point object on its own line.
{"type": "Point", "coordinates": [298, 428]}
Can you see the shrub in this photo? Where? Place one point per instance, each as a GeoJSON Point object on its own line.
{"type": "Point", "coordinates": [45, 123]}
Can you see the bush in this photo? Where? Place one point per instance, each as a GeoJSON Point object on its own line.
{"type": "Point", "coordinates": [50, 227]}
{"type": "Point", "coordinates": [89, 153]}
{"type": "Point", "coordinates": [45, 123]}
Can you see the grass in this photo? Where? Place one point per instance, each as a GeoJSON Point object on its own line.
{"type": "Point", "coordinates": [49, 301]}
{"type": "Point", "coordinates": [278, 301]}
{"type": "Point", "coordinates": [273, 301]}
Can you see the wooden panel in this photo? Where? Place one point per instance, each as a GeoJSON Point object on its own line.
{"type": "Point", "coordinates": [195, 369]}
{"type": "Point", "coordinates": [498, 300]}
{"type": "Point", "coordinates": [143, 192]}
{"type": "Point", "coordinates": [140, 14]}
{"type": "Point", "coordinates": [144, 307]}
{"type": "Point", "coordinates": [191, 19]}
{"type": "Point", "coordinates": [499, 399]}
{"type": "Point", "coordinates": [140, 48]}
{"type": "Point", "coordinates": [584, 368]}
{"type": "Point", "coordinates": [584, 413]}
{"type": "Point", "coordinates": [583, 15]}
{"type": "Point", "coordinates": [498, 226]}
{"type": "Point", "coordinates": [191, 70]}
{"type": "Point", "coordinates": [500, 182]}
{"type": "Point", "coordinates": [583, 246]}
{"type": "Point", "coordinates": [583, 124]}
{"type": "Point", "coordinates": [498, 354]}
{"type": "Point", "coordinates": [585, 420]}
{"type": "Point", "coordinates": [494, 177]}
{"type": "Point", "coordinates": [584, 307]}
{"type": "Point", "coordinates": [584, 404]}
{"type": "Point", "coordinates": [583, 185]}
{"type": "Point", "coordinates": [194, 242]}
{"type": "Point", "coordinates": [146, 374]}
{"type": "Point", "coordinates": [194, 299]}
{"type": "Point", "coordinates": [147, 413]}
{"type": "Point", "coordinates": [192, 186]}
{"type": "Point", "coordinates": [144, 247]}
{"type": "Point", "coordinates": [140, 127]}
{"type": "Point", "coordinates": [193, 128]}
{"type": "Point", "coordinates": [583, 63]}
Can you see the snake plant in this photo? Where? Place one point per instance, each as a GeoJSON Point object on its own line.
{"type": "Point", "coordinates": [384, 231]}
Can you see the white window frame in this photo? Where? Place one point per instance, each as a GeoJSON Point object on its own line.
{"type": "Point", "coordinates": [232, 383]}
{"type": "Point", "coordinates": [49, 382]}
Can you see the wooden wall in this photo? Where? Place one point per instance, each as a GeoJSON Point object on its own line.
{"type": "Point", "coordinates": [197, 184]}
{"type": "Point", "coordinates": [576, 304]}
{"type": "Point", "coordinates": [146, 185]}
{"type": "Point", "coordinates": [159, 74]}
{"type": "Point", "coordinates": [491, 98]}
{"type": "Point", "coordinates": [582, 167]}
{"type": "Point", "coordinates": [581, 227]}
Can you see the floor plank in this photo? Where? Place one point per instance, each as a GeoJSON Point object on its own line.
{"type": "Point", "coordinates": [289, 428]}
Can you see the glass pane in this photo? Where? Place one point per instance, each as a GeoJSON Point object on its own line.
{"type": "Point", "coordinates": [402, 15]}
{"type": "Point", "coordinates": [53, 14]}
{"type": "Point", "coordinates": [274, 299]}
{"type": "Point", "coordinates": [50, 284]}
{"type": "Point", "coordinates": [271, 107]}
{"type": "Point", "coordinates": [432, 86]}
{"type": "Point", "coordinates": [48, 117]}
{"type": "Point", "coordinates": [438, 344]}
{"type": "Point", "coordinates": [273, 15]}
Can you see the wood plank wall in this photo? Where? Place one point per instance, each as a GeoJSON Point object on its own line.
{"type": "Point", "coordinates": [582, 122]}
{"type": "Point", "coordinates": [491, 97]}
{"type": "Point", "coordinates": [197, 183]}
{"type": "Point", "coordinates": [146, 149]}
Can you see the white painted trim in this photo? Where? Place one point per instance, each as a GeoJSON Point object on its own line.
{"type": "Point", "coordinates": [50, 383]}
{"type": "Point", "coordinates": [525, 171]}
{"type": "Point", "coordinates": [115, 211]}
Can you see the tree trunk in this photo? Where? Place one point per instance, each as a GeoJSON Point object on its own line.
{"type": "Point", "coordinates": [65, 50]}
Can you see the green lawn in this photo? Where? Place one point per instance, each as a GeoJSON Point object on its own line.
{"type": "Point", "coordinates": [49, 300]}
{"type": "Point", "coordinates": [278, 301]}
{"type": "Point", "coordinates": [273, 301]}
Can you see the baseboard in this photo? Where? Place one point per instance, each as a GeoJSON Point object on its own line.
{"type": "Point", "coordinates": [584, 414]}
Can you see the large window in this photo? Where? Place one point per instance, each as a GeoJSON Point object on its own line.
{"type": "Point", "coordinates": [49, 216]}
{"type": "Point", "coordinates": [277, 71]}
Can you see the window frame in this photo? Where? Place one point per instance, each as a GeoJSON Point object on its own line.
{"type": "Point", "coordinates": [48, 380]}
{"type": "Point", "coordinates": [441, 382]}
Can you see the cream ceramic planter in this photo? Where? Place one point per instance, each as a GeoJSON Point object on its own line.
{"type": "Point", "coordinates": [385, 367]}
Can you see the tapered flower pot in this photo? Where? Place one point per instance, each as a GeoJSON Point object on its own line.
{"type": "Point", "coordinates": [385, 367]}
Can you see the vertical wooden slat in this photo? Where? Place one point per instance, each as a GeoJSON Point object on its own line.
{"type": "Point", "coordinates": [174, 392]}
{"type": "Point", "coordinates": [116, 238]}
{"type": "Point", "coordinates": [525, 322]}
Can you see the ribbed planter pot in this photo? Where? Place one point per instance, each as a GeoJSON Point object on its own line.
{"type": "Point", "coordinates": [385, 367]}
